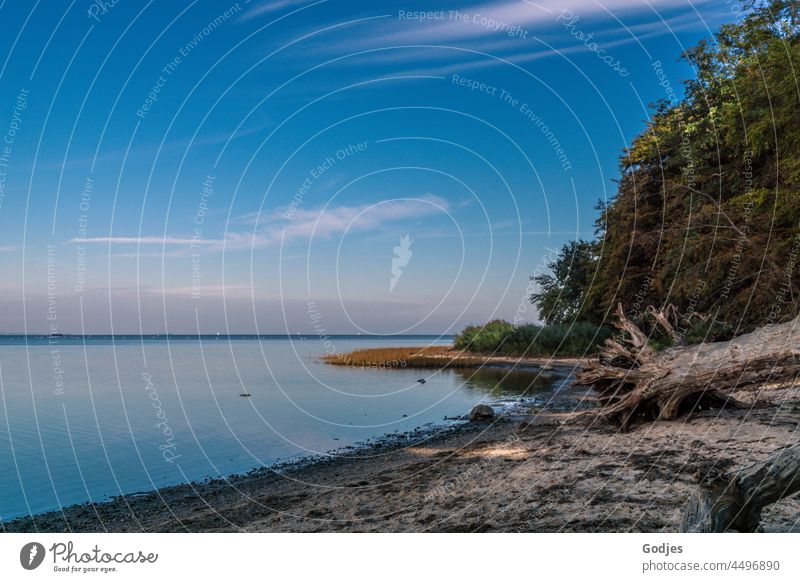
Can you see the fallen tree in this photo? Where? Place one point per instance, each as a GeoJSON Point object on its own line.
{"type": "Point", "coordinates": [636, 382]}
{"type": "Point", "coordinates": [734, 501]}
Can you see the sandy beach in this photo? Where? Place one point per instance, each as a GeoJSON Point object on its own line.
{"type": "Point", "coordinates": [529, 470]}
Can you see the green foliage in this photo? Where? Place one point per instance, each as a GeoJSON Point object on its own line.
{"type": "Point", "coordinates": [693, 330]}
{"type": "Point", "coordinates": [707, 213]}
{"type": "Point", "coordinates": [484, 338]}
{"type": "Point", "coordinates": [562, 291]}
{"type": "Point", "coordinates": [709, 331]}
{"type": "Point", "coordinates": [502, 338]}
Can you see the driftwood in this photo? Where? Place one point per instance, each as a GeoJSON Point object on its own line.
{"type": "Point", "coordinates": [635, 382]}
{"type": "Point", "coordinates": [733, 501]}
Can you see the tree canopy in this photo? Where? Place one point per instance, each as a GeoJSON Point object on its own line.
{"type": "Point", "coordinates": [707, 213]}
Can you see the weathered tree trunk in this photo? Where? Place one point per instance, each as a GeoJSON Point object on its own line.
{"type": "Point", "coordinates": [634, 381]}
{"type": "Point", "coordinates": [734, 501]}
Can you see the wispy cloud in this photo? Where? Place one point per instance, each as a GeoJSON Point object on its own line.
{"type": "Point", "coordinates": [269, 229]}
{"type": "Point", "coordinates": [140, 240]}
{"type": "Point", "coordinates": [494, 19]}
{"type": "Point", "coordinates": [517, 31]}
{"type": "Point", "coordinates": [336, 221]}
{"type": "Point", "coordinates": [262, 8]}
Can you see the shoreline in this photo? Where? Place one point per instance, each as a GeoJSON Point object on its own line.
{"type": "Point", "coordinates": [532, 469]}
{"type": "Point", "coordinates": [48, 521]}
{"type": "Point", "coordinates": [378, 443]}
{"type": "Point", "coordinates": [375, 446]}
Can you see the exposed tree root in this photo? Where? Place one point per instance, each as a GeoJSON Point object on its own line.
{"type": "Point", "coordinates": [734, 501]}
{"type": "Point", "coordinates": [635, 382]}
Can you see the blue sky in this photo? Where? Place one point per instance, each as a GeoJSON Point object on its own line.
{"type": "Point", "coordinates": [224, 167]}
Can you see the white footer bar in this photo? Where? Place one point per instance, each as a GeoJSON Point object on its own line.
{"type": "Point", "coordinates": [402, 557]}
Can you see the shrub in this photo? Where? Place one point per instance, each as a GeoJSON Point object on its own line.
{"type": "Point", "coordinates": [503, 338]}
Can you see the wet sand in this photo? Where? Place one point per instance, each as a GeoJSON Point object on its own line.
{"type": "Point", "coordinates": [530, 471]}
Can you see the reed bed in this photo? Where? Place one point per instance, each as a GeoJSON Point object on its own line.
{"type": "Point", "coordinates": [412, 357]}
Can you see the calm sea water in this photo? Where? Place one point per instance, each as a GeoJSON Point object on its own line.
{"type": "Point", "coordinates": [88, 418]}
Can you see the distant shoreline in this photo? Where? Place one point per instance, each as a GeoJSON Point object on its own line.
{"type": "Point", "coordinates": [244, 336]}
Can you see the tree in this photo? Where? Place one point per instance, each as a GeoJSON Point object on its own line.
{"type": "Point", "coordinates": [707, 211]}
{"type": "Point", "coordinates": [562, 292]}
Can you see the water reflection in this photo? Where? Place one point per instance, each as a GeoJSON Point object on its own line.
{"type": "Point", "coordinates": [499, 381]}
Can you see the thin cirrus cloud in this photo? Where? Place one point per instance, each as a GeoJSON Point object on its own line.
{"type": "Point", "coordinates": [489, 28]}
{"type": "Point", "coordinates": [481, 19]}
{"type": "Point", "coordinates": [489, 19]}
{"type": "Point", "coordinates": [270, 7]}
{"type": "Point", "coordinates": [304, 224]}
